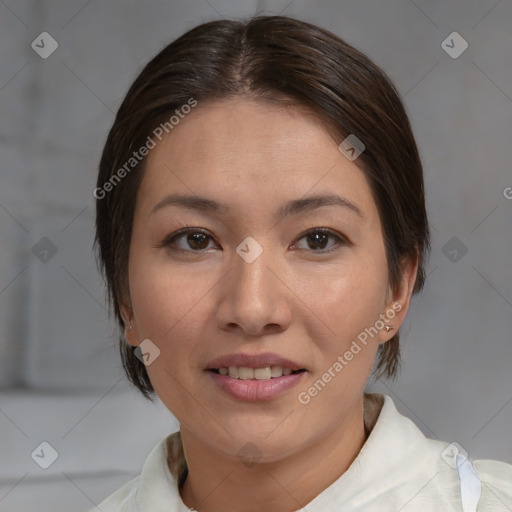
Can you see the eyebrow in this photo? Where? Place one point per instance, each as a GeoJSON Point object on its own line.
{"type": "Point", "coordinates": [293, 207]}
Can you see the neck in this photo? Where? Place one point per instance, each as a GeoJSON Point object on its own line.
{"type": "Point", "coordinates": [216, 482]}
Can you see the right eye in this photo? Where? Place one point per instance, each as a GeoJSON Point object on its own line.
{"type": "Point", "coordinates": [195, 240]}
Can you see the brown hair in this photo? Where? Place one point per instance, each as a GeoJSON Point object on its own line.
{"type": "Point", "coordinates": [268, 58]}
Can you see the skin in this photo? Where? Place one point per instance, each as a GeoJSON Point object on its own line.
{"type": "Point", "coordinates": [295, 299]}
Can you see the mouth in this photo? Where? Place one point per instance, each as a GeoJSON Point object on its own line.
{"type": "Point", "coordinates": [261, 373]}
{"type": "Point", "coordinates": [255, 377]}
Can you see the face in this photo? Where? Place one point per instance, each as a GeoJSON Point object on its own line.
{"type": "Point", "coordinates": [260, 280]}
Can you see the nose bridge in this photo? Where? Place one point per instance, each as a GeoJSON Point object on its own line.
{"type": "Point", "coordinates": [252, 277]}
{"type": "Point", "coordinates": [254, 297]}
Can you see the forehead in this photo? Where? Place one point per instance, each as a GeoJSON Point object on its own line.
{"type": "Point", "coordinates": [238, 130]}
{"type": "Point", "coordinates": [242, 150]}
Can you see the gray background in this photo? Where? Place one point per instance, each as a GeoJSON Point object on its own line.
{"type": "Point", "coordinates": [60, 374]}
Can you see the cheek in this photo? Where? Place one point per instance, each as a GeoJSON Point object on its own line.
{"type": "Point", "coordinates": [162, 296]}
{"type": "Point", "coordinates": [170, 311]}
{"type": "Point", "coordinates": [349, 305]}
{"type": "Point", "coordinates": [347, 299]}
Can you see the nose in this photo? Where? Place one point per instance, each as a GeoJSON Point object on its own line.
{"type": "Point", "coordinates": [254, 300]}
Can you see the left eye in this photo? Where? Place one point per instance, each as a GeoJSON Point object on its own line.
{"type": "Point", "coordinates": [318, 238]}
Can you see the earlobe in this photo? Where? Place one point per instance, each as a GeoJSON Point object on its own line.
{"type": "Point", "coordinates": [130, 333]}
{"type": "Point", "coordinates": [390, 322]}
{"type": "Point", "coordinates": [396, 309]}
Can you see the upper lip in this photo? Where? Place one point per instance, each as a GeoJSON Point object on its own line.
{"type": "Point", "coordinates": [253, 361]}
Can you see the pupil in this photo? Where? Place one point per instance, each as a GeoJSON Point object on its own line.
{"type": "Point", "coordinates": [318, 238]}
{"type": "Point", "coordinates": [196, 240]}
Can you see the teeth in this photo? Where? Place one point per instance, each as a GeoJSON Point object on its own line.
{"type": "Point", "coordinates": [276, 371]}
{"type": "Point", "coordinates": [262, 373]}
{"type": "Point", "coordinates": [246, 373]}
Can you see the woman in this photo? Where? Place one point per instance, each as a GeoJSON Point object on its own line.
{"type": "Point", "coordinates": [261, 226]}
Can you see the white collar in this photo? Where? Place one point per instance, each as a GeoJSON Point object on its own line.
{"type": "Point", "coordinates": [396, 462]}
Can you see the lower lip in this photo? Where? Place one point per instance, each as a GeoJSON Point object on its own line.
{"type": "Point", "coordinates": [255, 390]}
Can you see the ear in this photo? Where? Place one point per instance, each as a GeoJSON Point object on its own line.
{"type": "Point", "coordinates": [131, 332]}
{"type": "Point", "coordinates": [399, 298]}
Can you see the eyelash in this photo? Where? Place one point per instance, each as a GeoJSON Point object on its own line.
{"type": "Point", "coordinates": [168, 241]}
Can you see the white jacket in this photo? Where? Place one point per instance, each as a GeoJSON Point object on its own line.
{"type": "Point", "coordinates": [397, 469]}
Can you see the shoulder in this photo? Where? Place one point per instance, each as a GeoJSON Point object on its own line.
{"type": "Point", "coordinates": [441, 474]}
{"type": "Point", "coordinates": [155, 488]}
{"type": "Point", "coordinates": [121, 500]}
{"type": "Point", "coordinates": [495, 471]}
{"type": "Point", "coordinates": [496, 481]}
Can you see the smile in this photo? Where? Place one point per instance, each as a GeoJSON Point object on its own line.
{"type": "Point", "coordinates": [247, 373]}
